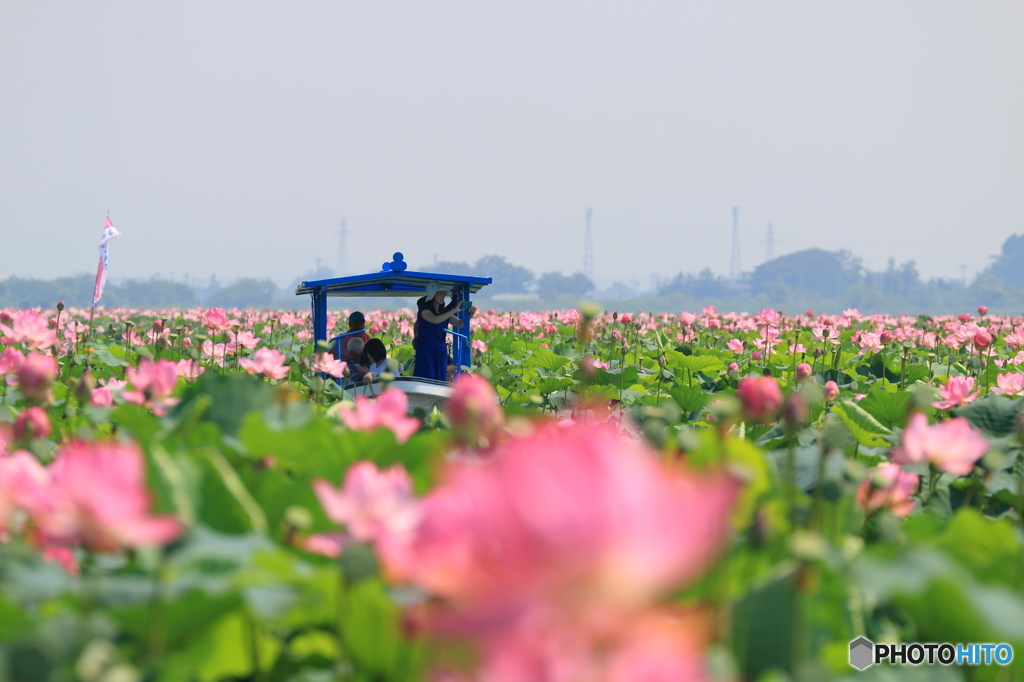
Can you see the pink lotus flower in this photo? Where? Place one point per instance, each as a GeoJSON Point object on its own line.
{"type": "Point", "coordinates": [982, 339]}
{"type": "Point", "coordinates": [476, 415]}
{"type": "Point", "coordinates": [30, 329]}
{"type": "Point", "coordinates": [101, 397]}
{"type": "Point", "coordinates": [154, 382]}
{"type": "Point", "coordinates": [33, 422]}
{"type": "Point", "coordinates": [216, 319]}
{"type": "Point", "coordinates": [549, 554]}
{"type": "Point", "coordinates": [266, 361]}
{"type": "Point", "coordinates": [1009, 384]}
{"type": "Point", "coordinates": [246, 339]}
{"type": "Point", "coordinates": [21, 477]}
{"type": "Point", "coordinates": [215, 351]}
{"type": "Point", "coordinates": [831, 391]}
{"type": "Point", "coordinates": [373, 505]}
{"type": "Point", "coordinates": [956, 392]}
{"type": "Point", "coordinates": [982, 310]}
{"type": "Point", "coordinates": [328, 364]}
{"type": "Point", "coordinates": [478, 346]}
{"type": "Point", "coordinates": [189, 369]}
{"type": "Point", "coordinates": [803, 371]}
{"type": "Point", "coordinates": [36, 374]}
{"type": "Point", "coordinates": [10, 361]}
{"type": "Point", "coordinates": [761, 399]}
{"type": "Point", "coordinates": [769, 318]}
{"type": "Point", "coordinates": [888, 487]}
{"type": "Point", "coordinates": [735, 345]}
{"type": "Point", "coordinates": [952, 446]}
{"type": "Point", "coordinates": [387, 411]}
{"type": "Point", "coordinates": [64, 556]}
{"type": "Point", "coordinates": [97, 496]}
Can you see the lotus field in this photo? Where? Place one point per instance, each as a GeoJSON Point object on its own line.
{"type": "Point", "coordinates": [607, 497]}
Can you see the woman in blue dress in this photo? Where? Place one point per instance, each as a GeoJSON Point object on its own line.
{"type": "Point", "coordinates": [432, 319]}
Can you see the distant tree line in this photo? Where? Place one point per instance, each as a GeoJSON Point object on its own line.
{"type": "Point", "coordinates": [814, 279]}
{"type": "Point", "coordinates": [515, 279]}
{"type": "Point", "coordinates": [76, 291]}
{"type": "Point", "coordinates": [834, 280]}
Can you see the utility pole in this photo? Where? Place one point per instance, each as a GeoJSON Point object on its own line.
{"type": "Point", "coordinates": [770, 244]}
{"type": "Point", "coordinates": [734, 261]}
{"type": "Point", "coordinates": [342, 249]}
{"type": "Point", "coordinates": [588, 249]}
{"type": "Point", "coordinates": [963, 274]}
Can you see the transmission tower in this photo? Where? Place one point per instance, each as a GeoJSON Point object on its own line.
{"type": "Point", "coordinates": [769, 248]}
{"type": "Point", "coordinates": [588, 249]}
{"type": "Point", "coordinates": [734, 262]}
{"type": "Point", "coordinates": [342, 249]}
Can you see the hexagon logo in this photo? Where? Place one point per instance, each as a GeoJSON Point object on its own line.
{"type": "Point", "coordinates": [861, 653]}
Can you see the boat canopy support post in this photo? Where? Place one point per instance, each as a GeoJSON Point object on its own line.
{"type": "Point", "coordinates": [462, 347]}
{"type": "Point", "coordinates": [319, 318]}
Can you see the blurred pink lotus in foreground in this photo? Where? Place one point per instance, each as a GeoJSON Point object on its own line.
{"type": "Point", "coordinates": [35, 375]}
{"type": "Point", "coordinates": [10, 361]}
{"type": "Point", "coordinates": [475, 413]}
{"type": "Point", "coordinates": [387, 411]}
{"type": "Point", "coordinates": [888, 487]}
{"type": "Point", "coordinates": [956, 392]}
{"type": "Point", "coordinates": [21, 477]}
{"type": "Point", "coordinates": [551, 556]}
{"type": "Point", "coordinates": [30, 329]}
{"type": "Point", "coordinates": [266, 361]}
{"type": "Point", "coordinates": [951, 446]}
{"type": "Point", "coordinates": [373, 505]}
{"type": "Point", "coordinates": [96, 495]}
{"type": "Point", "coordinates": [1009, 384]}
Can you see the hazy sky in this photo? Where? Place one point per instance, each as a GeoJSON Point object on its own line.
{"type": "Point", "coordinates": [231, 137]}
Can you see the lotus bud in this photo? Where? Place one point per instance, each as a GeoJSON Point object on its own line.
{"type": "Point", "coordinates": [817, 353]}
{"type": "Point", "coordinates": [5, 317]}
{"type": "Point", "coordinates": [158, 325]}
{"type": "Point", "coordinates": [760, 398]}
{"type": "Point", "coordinates": [60, 305]}
{"type": "Point", "coordinates": [32, 423]}
{"type": "Point", "coordinates": [965, 318]}
{"type": "Point", "coordinates": [186, 343]}
{"type": "Point", "coordinates": [803, 371]}
{"type": "Point", "coordinates": [983, 310]}
{"type": "Point", "coordinates": [831, 391]}
{"type": "Point", "coordinates": [885, 338]}
{"type": "Point", "coordinates": [475, 412]}
{"type": "Point", "coordinates": [982, 339]}
{"type": "Point", "coordinates": [35, 376]}
{"type": "Point", "coordinates": [734, 370]}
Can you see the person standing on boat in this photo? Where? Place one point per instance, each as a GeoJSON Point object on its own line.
{"type": "Point", "coordinates": [432, 320]}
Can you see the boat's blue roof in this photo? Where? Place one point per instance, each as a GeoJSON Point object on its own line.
{"type": "Point", "coordinates": [393, 280]}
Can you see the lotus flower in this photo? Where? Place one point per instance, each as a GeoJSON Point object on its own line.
{"type": "Point", "coordinates": [96, 496]}
{"type": "Point", "coordinates": [956, 392]}
{"type": "Point", "coordinates": [388, 411]}
{"type": "Point", "coordinates": [888, 487]}
{"type": "Point", "coordinates": [266, 361]}
{"type": "Point", "coordinates": [951, 446]}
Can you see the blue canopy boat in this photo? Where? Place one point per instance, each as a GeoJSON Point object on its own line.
{"type": "Point", "coordinates": [396, 280]}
